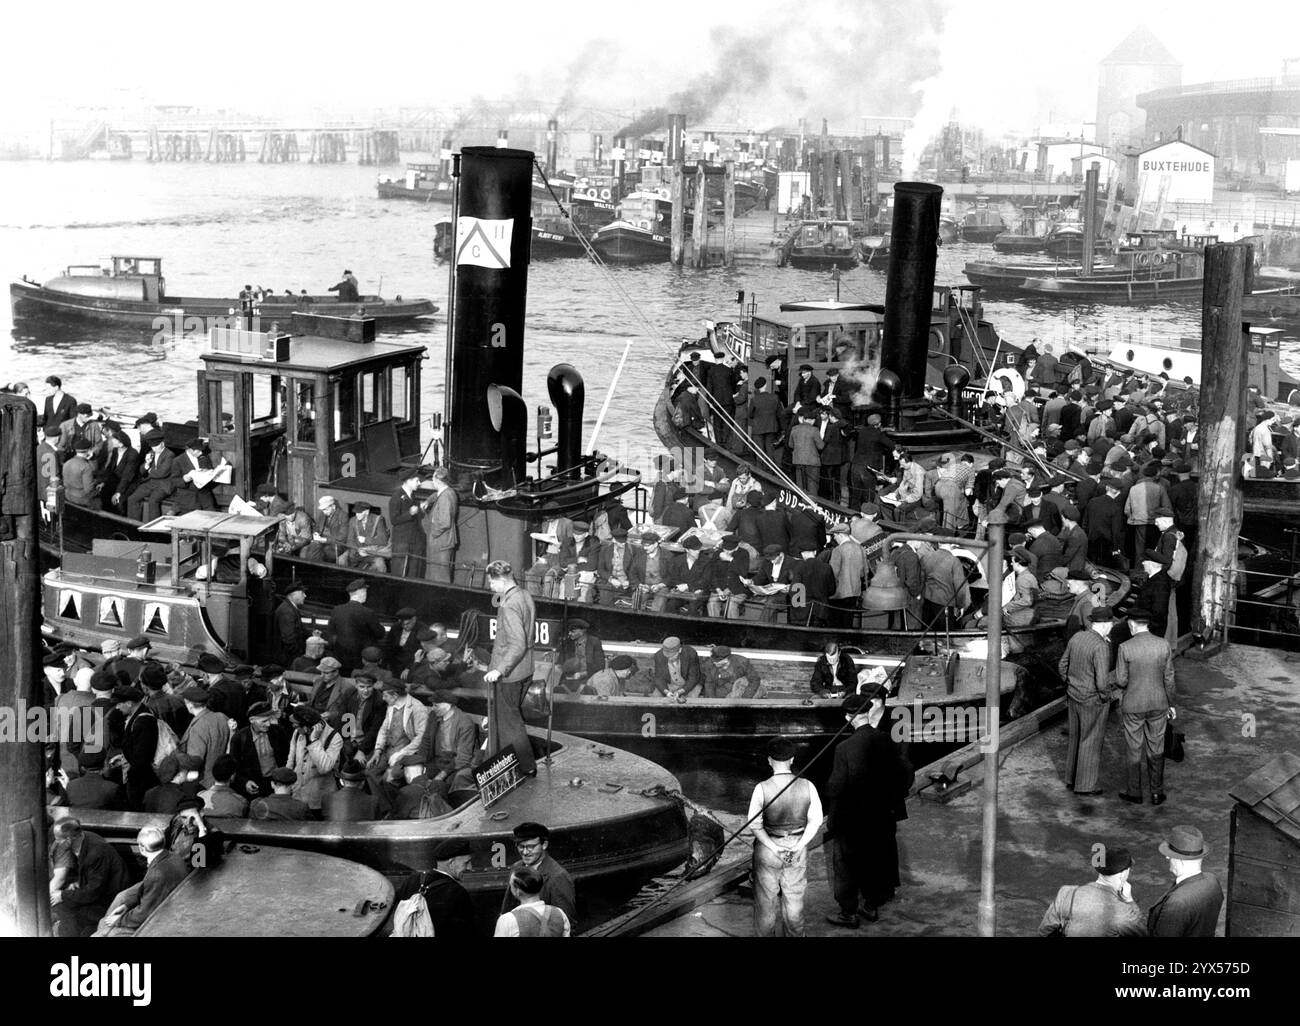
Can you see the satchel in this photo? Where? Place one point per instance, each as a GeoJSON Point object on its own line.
{"type": "Point", "coordinates": [1174, 742]}
{"type": "Point", "coordinates": [411, 917]}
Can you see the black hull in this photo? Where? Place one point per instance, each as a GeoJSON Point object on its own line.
{"type": "Point", "coordinates": [820, 260]}
{"type": "Point", "coordinates": [631, 246]}
{"type": "Point", "coordinates": [981, 233]}
{"type": "Point", "coordinates": [431, 197]}
{"type": "Point", "coordinates": [1018, 243]}
{"type": "Point", "coordinates": [548, 245]}
{"type": "Point", "coordinates": [30, 301]}
{"type": "Point", "coordinates": [1068, 248]}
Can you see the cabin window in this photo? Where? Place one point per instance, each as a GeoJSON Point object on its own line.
{"type": "Point", "coordinates": [847, 345]}
{"type": "Point", "coordinates": [221, 406]}
{"type": "Point", "coordinates": [817, 345]}
{"type": "Point", "coordinates": [372, 397]}
{"type": "Point", "coordinates": [156, 615]}
{"type": "Point", "coordinates": [266, 400]}
{"type": "Point", "coordinates": [305, 408]}
{"type": "Point", "coordinates": [70, 605]}
{"type": "Point", "coordinates": [110, 611]}
{"type": "Point", "coordinates": [345, 409]}
{"type": "Point", "coordinates": [400, 391]}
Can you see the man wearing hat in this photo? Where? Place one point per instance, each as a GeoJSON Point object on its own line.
{"type": "Point", "coordinates": [207, 737]}
{"type": "Point", "coordinates": [99, 876]}
{"type": "Point", "coordinates": [1085, 667]}
{"type": "Point", "coordinates": [1154, 593]}
{"type": "Point", "coordinates": [1074, 543]}
{"type": "Point", "coordinates": [1144, 672]}
{"type": "Point", "coordinates": [442, 510]}
{"type": "Point", "coordinates": [1146, 500]}
{"type": "Point", "coordinates": [785, 813]}
{"type": "Point", "coordinates": [139, 744]}
{"type": "Point", "coordinates": [805, 444]}
{"type": "Point", "coordinates": [406, 520]}
{"type": "Point", "coordinates": [48, 461]}
{"type": "Point", "coordinates": [117, 477]}
{"type": "Point", "coordinates": [351, 803]}
{"type": "Point", "coordinates": [402, 641]}
{"type": "Point", "coordinates": [449, 747]}
{"type": "Point", "coordinates": [677, 671]}
{"type": "Point", "coordinates": [353, 626]}
{"type": "Point", "coordinates": [372, 664]}
{"type": "Point", "coordinates": [532, 841]}
{"type": "Point", "coordinates": [280, 804]}
{"type": "Point", "coordinates": [222, 799]}
{"type": "Point", "coordinates": [511, 669]}
{"type": "Point", "coordinates": [289, 638]}
{"type": "Point", "coordinates": [403, 729]}
{"type": "Point", "coordinates": [315, 749]}
{"type": "Point", "coordinates": [167, 706]}
{"type": "Point", "coordinates": [82, 427]}
{"type": "Point", "coordinates": [132, 658]}
{"type": "Point", "coordinates": [610, 681]}
{"type": "Point", "coordinates": [620, 567]}
{"type": "Point", "coordinates": [172, 787]}
{"type": "Point", "coordinates": [158, 478]}
{"type": "Point", "coordinates": [1103, 523]}
{"type": "Point", "coordinates": [367, 543]}
{"type": "Point", "coordinates": [581, 655]}
{"type": "Point", "coordinates": [93, 790]}
{"type": "Point", "coordinates": [79, 475]}
{"type": "Point", "coordinates": [728, 675]}
{"type": "Point", "coordinates": [766, 417]}
{"type": "Point", "coordinates": [258, 749]}
{"type": "Point", "coordinates": [865, 798]}
{"type": "Point", "coordinates": [771, 581]}
{"type": "Point", "coordinates": [1190, 908]}
{"type": "Point", "coordinates": [333, 695]}
{"type": "Point", "coordinates": [1045, 548]}
{"type": "Point", "coordinates": [1103, 908]}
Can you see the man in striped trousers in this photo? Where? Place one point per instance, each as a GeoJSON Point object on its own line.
{"type": "Point", "coordinates": [1085, 667]}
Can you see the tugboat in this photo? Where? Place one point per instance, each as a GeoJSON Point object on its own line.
{"type": "Point", "coordinates": [640, 234]}
{"type": "Point", "coordinates": [424, 183]}
{"type": "Point", "coordinates": [821, 245]}
{"type": "Point", "coordinates": [982, 223]}
{"type": "Point", "coordinates": [567, 212]}
{"type": "Point", "coordinates": [131, 290]}
{"type": "Point", "coordinates": [1027, 238]}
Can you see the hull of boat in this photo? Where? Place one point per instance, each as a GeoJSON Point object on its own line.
{"type": "Point", "coordinates": [396, 190]}
{"type": "Point", "coordinates": [820, 260]}
{"type": "Point", "coordinates": [981, 233]}
{"type": "Point", "coordinates": [1006, 243]}
{"type": "Point", "coordinates": [547, 245]}
{"type": "Point", "coordinates": [1069, 247]}
{"type": "Point", "coordinates": [1112, 290]}
{"type": "Point", "coordinates": [619, 245]}
{"type": "Point", "coordinates": [30, 301]}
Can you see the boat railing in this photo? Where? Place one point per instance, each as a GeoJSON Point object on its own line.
{"type": "Point", "coordinates": [737, 342]}
{"type": "Point", "coordinates": [1260, 604]}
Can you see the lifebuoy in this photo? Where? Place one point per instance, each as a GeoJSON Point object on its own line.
{"type": "Point", "coordinates": [605, 194]}
{"type": "Point", "coordinates": [1158, 258]}
{"type": "Point", "coordinates": [591, 193]}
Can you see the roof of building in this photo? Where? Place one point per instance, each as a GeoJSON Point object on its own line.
{"type": "Point", "coordinates": [1274, 793]}
{"type": "Point", "coordinates": [1141, 47]}
{"type": "Point", "coordinates": [1170, 142]}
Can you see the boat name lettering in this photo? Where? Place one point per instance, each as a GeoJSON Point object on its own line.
{"type": "Point", "coordinates": [543, 630]}
{"type": "Point", "coordinates": [1159, 166]}
{"type": "Point", "coordinates": [498, 776]}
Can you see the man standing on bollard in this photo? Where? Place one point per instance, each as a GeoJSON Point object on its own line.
{"type": "Point", "coordinates": [866, 797]}
{"type": "Point", "coordinates": [1085, 666]}
{"type": "Point", "coordinates": [511, 668]}
{"type": "Point", "coordinates": [785, 814]}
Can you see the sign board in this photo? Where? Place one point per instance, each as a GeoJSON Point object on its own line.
{"type": "Point", "coordinates": [497, 777]}
{"type": "Point", "coordinates": [1189, 168]}
{"type": "Point", "coordinates": [546, 633]}
{"type": "Point", "coordinates": [484, 242]}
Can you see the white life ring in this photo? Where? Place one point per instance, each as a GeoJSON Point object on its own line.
{"type": "Point", "coordinates": [1158, 258]}
{"type": "Point", "coordinates": [591, 193]}
{"type": "Point", "coordinates": [1007, 376]}
{"type": "Point", "coordinates": [606, 194]}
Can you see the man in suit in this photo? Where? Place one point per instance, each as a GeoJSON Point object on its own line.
{"type": "Point", "coordinates": [806, 389]}
{"type": "Point", "coordinates": [451, 744]}
{"type": "Point", "coordinates": [329, 538]}
{"type": "Point", "coordinates": [689, 575]}
{"type": "Point", "coordinates": [258, 748]}
{"type": "Point", "coordinates": [165, 871]}
{"type": "Point", "coordinates": [100, 876]}
{"type": "Point", "coordinates": [581, 654]}
{"type": "Point", "coordinates": [79, 475]}
{"type": "Point", "coordinates": [353, 626]}
{"type": "Point", "coordinates": [1144, 672]}
{"type": "Point", "coordinates": [1190, 908]}
{"type": "Point", "coordinates": [443, 509]}
{"type": "Point", "coordinates": [812, 583]}
{"type": "Point", "coordinates": [290, 640]}
{"type": "Point", "coordinates": [511, 669]}
{"type": "Point", "coordinates": [1103, 522]}
{"type": "Point", "coordinates": [158, 478]}
{"type": "Point", "coordinates": [206, 738]}
{"type": "Point", "coordinates": [118, 476]}
{"type": "Point", "coordinates": [677, 671]}
{"type": "Point", "coordinates": [765, 418]}
{"type": "Point", "coordinates": [350, 803]}
{"type": "Point", "coordinates": [406, 519]}
{"type": "Point", "coordinates": [620, 567]}
{"type": "Point", "coordinates": [772, 581]}
{"type": "Point", "coordinates": [849, 565]}
{"type": "Point", "coordinates": [727, 675]}
{"type": "Point", "coordinates": [1085, 667]}
{"type": "Point", "coordinates": [59, 406]}
{"type": "Point", "coordinates": [367, 541]}
{"type": "Point", "coordinates": [334, 696]}
{"type": "Point", "coordinates": [1103, 908]}
{"type": "Point", "coordinates": [139, 743]}
{"type": "Point", "coordinates": [49, 464]}
{"type": "Point", "coordinates": [402, 641]}
{"type": "Point", "coordinates": [866, 797]}
{"type": "Point", "coordinates": [83, 425]}
{"type": "Point", "coordinates": [727, 591]}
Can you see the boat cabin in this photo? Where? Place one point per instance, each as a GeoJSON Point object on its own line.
{"type": "Point", "coordinates": [309, 414]}
{"type": "Point", "coordinates": [649, 210]}
{"type": "Point", "coordinates": [204, 587]}
{"type": "Point", "coordinates": [122, 278]}
{"type": "Point", "coordinates": [825, 233]}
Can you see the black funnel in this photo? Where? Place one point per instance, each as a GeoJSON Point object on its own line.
{"type": "Point", "coordinates": [567, 391]}
{"type": "Point", "coordinates": [492, 251]}
{"type": "Point", "coordinates": [909, 294]}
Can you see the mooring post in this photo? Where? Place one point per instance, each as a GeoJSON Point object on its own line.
{"type": "Point", "coordinates": [700, 228]}
{"type": "Point", "coordinates": [24, 873]}
{"type": "Point", "coordinates": [1221, 432]}
{"type": "Point", "coordinates": [987, 918]}
{"type": "Point", "coordinates": [729, 215]}
{"type": "Point", "coordinates": [675, 160]}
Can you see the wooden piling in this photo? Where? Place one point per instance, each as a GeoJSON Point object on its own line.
{"type": "Point", "coordinates": [1221, 433]}
{"type": "Point", "coordinates": [700, 227]}
{"type": "Point", "coordinates": [24, 874]}
{"type": "Point", "coordinates": [729, 215]}
{"type": "Point", "coordinates": [677, 240]}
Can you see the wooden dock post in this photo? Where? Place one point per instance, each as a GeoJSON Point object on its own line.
{"type": "Point", "coordinates": [729, 215]}
{"type": "Point", "coordinates": [1221, 433]}
{"type": "Point", "coordinates": [674, 157]}
{"type": "Point", "coordinates": [700, 227]}
{"type": "Point", "coordinates": [24, 874]}
{"type": "Point", "coordinates": [1090, 217]}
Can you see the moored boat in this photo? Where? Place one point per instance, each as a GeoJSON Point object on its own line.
{"type": "Point", "coordinates": [423, 183]}
{"type": "Point", "coordinates": [821, 245]}
{"type": "Point", "coordinates": [132, 291]}
{"type": "Point", "coordinates": [982, 223]}
{"type": "Point", "coordinates": [640, 232]}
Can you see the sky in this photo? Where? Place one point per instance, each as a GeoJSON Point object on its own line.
{"type": "Point", "coordinates": [999, 65]}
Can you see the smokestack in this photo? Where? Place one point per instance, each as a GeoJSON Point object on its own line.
{"type": "Point", "coordinates": [564, 384]}
{"type": "Point", "coordinates": [619, 157]}
{"type": "Point", "coordinates": [491, 287]}
{"type": "Point", "coordinates": [552, 146]}
{"type": "Point", "coordinates": [676, 138]}
{"type": "Point", "coordinates": [884, 153]}
{"type": "Point", "coordinates": [909, 293]}
{"type": "Point", "coordinates": [599, 141]}
{"type": "Point", "coordinates": [444, 157]}
{"type": "Point", "coordinates": [1090, 217]}
{"type": "Point", "coordinates": [503, 138]}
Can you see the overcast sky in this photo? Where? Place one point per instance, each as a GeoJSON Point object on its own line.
{"type": "Point", "coordinates": [1003, 65]}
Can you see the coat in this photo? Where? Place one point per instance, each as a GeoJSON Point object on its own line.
{"type": "Point", "coordinates": [139, 742]}
{"type": "Point", "coordinates": [773, 529]}
{"type": "Point", "coordinates": [842, 677]}
{"type": "Point", "coordinates": [243, 749]}
{"type": "Point", "coordinates": [400, 655]}
{"type": "Point", "coordinates": [512, 651]}
{"type": "Point", "coordinates": [441, 521]}
{"type": "Point", "coordinates": [870, 778]}
{"type": "Point", "coordinates": [406, 528]}
{"type": "Point", "coordinates": [290, 638]}
{"type": "Point", "coordinates": [557, 888]}
{"type": "Point", "coordinates": [1144, 671]}
{"type": "Point", "coordinates": [164, 875]}
{"type": "Point", "coordinates": [204, 742]}
{"type": "Point", "coordinates": [1188, 909]}
{"type": "Point", "coordinates": [101, 876]}
{"type": "Point", "coordinates": [765, 414]}
{"type": "Point", "coordinates": [55, 415]}
{"type": "Point", "coordinates": [718, 684]}
{"type": "Point", "coordinates": [315, 763]}
{"type": "Point", "coordinates": [343, 700]}
{"type": "Point", "coordinates": [807, 531]}
{"type": "Point", "coordinates": [689, 662]}
{"type": "Point", "coordinates": [849, 564]}
{"type": "Point", "coordinates": [352, 627]}
{"type": "Point", "coordinates": [79, 481]}
{"type": "Point", "coordinates": [805, 444]}
{"type": "Point", "coordinates": [633, 563]}
{"type": "Point", "coordinates": [119, 475]}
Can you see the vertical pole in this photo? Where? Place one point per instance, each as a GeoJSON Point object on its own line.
{"type": "Point", "coordinates": [677, 242]}
{"type": "Point", "coordinates": [987, 918]}
{"type": "Point", "coordinates": [24, 877]}
{"type": "Point", "coordinates": [448, 367]}
{"type": "Point", "coordinates": [1221, 432]}
{"type": "Point", "coordinates": [729, 216]}
{"type": "Point", "coordinates": [700, 229]}
{"type": "Point", "coordinates": [1090, 217]}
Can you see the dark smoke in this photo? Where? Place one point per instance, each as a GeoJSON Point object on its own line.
{"type": "Point", "coordinates": [592, 60]}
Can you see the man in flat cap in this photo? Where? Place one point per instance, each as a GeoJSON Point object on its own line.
{"type": "Point", "coordinates": [1104, 523]}
{"type": "Point", "coordinates": [353, 626]}
{"type": "Point", "coordinates": [786, 813]}
{"type": "Point", "coordinates": [1103, 908]}
{"type": "Point", "coordinates": [728, 675]}
{"type": "Point", "coordinates": [159, 477]}
{"type": "Point", "coordinates": [511, 669]}
{"type": "Point", "coordinates": [116, 478]}
{"type": "Point", "coordinates": [257, 749]}
{"type": "Point", "coordinates": [865, 798]}
{"type": "Point", "coordinates": [1190, 908]}
{"type": "Point", "coordinates": [766, 418]}
{"type": "Point", "coordinates": [441, 524]}
{"type": "Point", "coordinates": [581, 655]}
{"type": "Point", "coordinates": [402, 640]}
{"type": "Point", "coordinates": [368, 541]}
{"type": "Point", "coordinates": [139, 743]}
{"type": "Point", "coordinates": [433, 664]}
{"type": "Point", "coordinates": [532, 841]}
{"type": "Point", "coordinates": [405, 723]}
{"type": "Point", "coordinates": [99, 876]}
{"type": "Point", "coordinates": [83, 427]}
{"type": "Point", "coordinates": [677, 673]}
{"type": "Point", "coordinates": [79, 475]}
{"type": "Point", "coordinates": [333, 695]}
{"type": "Point", "coordinates": [1144, 672]}
{"type": "Point", "coordinates": [207, 737]}
{"type": "Point", "coordinates": [280, 804]}
{"type": "Point", "coordinates": [289, 638]}
{"type": "Point", "coordinates": [450, 746]}
{"type": "Point", "coordinates": [611, 680]}
{"type": "Point", "coordinates": [1085, 667]}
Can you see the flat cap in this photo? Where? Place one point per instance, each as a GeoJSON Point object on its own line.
{"type": "Point", "coordinates": [622, 662]}
{"type": "Point", "coordinates": [140, 641]}
{"type": "Point", "coordinates": [720, 652]}
{"type": "Point", "coordinates": [371, 654]}
{"type": "Point", "coordinates": [773, 550]}
{"type": "Point", "coordinates": [672, 644]}
{"type": "Point", "coordinates": [127, 694]}
{"type": "Point", "coordinates": [152, 438]}
{"type": "Point", "coordinates": [405, 613]}
{"type": "Point", "coordinates": [195, 694]}
{"type": "Point", "coordinates": [426, 634]}
{"type": "Point", "coordinates": [210, 663]}
{"type": "Point", "coordinates": [329, 663]}
{"type": "Point", "coordinates": [282, 775]}
{"type": "Point", "coordinates": [397, 687]}
{"type": "Point", "coordinates": [650, 538]}
{"type": "Point", "coordinates": [1102, 614]}
{"type": "Point", "coordinates": [356, 585]}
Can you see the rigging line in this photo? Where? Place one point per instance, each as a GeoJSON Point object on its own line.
{"type": "Point", "coordinates": [902, 664]}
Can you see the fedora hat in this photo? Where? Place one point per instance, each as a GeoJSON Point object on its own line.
{"type": "Point", "coordinates": [1184, 842]}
